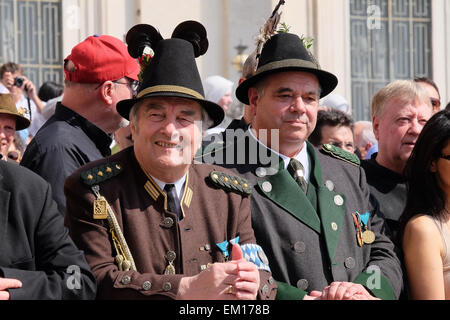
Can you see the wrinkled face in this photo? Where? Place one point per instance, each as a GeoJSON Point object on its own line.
{"type": "Point", "coordinates": [7, 130]}
{"type": "Point", "coordinates": [339, 136]}
{"type": "Point", "coordinates": [397, 130]}
{"type": "Point", "coordinates": [442, 168]}
{"type": "Point", "coordinates": [225, 101]}
{"type": "Point", "coordinates": [289, 102]}
{"type": "Point", "coordinates": [164, 133]}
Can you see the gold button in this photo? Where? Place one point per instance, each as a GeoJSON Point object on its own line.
{"type": "Point", "coordinates": [108, 169]}
{"type": "Point", "coordinates": [118, 167]}
{"type": "Point", "coordinates": [90, 177]}
{"type": "Point", "coordinates": [100, 174]}
{"type": "Point", "coordinates": [236, 182]}
{"type": "Point", "coordinates": [225, 179]}
{"type": "Point", "coordinates": [245, 186]}
{"type": "Point", "coordinates": [215, 176]}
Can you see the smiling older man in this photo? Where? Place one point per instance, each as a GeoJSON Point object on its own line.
{"type": "Point", "coordinates": [175, 226]}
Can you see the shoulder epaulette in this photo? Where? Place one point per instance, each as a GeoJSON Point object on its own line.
{"type": "Point", "coordinates": [231, 183]}
{"type": "Point", "coordinates": [100, 173]}
{"type": "Point", "coordinates": [341, 154]}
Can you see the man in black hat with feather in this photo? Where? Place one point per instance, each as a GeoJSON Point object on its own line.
{"type": "Point", "coordinates": [310, 207]}
{"type": "Point", "coordinates": [152, 224]}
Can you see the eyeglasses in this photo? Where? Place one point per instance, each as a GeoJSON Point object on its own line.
{"type": "Point", "coordinates": [446, 157]}
{"type": "Point", "coordinates": [132, 84]}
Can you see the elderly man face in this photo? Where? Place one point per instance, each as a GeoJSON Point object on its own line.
{"type": "Point", "coordinates": [397, 129]}
{"type": "Point", "coordinates": [7, 130]}
{"type": "Point", "coordinates": [166, 134]}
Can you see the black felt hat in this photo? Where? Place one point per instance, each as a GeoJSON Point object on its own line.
{"type": "Point", "coordinates": [172, 72]}
{"type": "Point", "coordinates": [285, 52]}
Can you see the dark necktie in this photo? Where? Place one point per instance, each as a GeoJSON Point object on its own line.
{"type": "Point", "coordinates": [173, 204]}
{"type": "Point", "coordinates": [295, 168]}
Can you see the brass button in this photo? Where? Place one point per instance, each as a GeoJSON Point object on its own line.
{"type": "Point", "coordinates": [126, 280]}
{"type": "Point", "coordinates": [167, 286]}
{"type": "Point", "coordinates": [147, 285]}
{"type": "Point", "coordinates": [299, 247]}
{"type": "Point", "coordinates": [302, 284]}
{"type": "Point", "coordinates": [168, 222]}
{"type": "Point", "coordinates": [171, 255]}
{"type": "Point", "coordinates": [265, 289]}
{"type": "Point", "coordinates": [350, 263]}
{"type": "Point", "coordinates": [100, 174]}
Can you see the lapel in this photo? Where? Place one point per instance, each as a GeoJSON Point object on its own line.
{"type": "Point", "coordinates": [282, 189]}
{"type": "Point", "coordinates": [285, 192]}
{"type": "Point", "coordinates": [4, 212]}
{"type": "Point", "coordinates": [330, 212]}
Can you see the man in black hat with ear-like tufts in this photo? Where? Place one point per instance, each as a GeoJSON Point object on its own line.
{"type": "Point", "coordinates": [310, 207]}
{"type": "Point", "coordinates": [152, 224]}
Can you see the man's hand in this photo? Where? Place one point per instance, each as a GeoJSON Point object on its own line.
{"type": "Point", "coordinates": [214, 282]}
{"type": "Point", "coordinates": [6, 284]}
{"type": "Point", "coordinates": [343, 291]}
{"type": "Point", "coordinates": [247, 282]}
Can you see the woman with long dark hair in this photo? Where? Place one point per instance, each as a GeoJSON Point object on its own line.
{"type": "Point", "coordinates": [426, 218]}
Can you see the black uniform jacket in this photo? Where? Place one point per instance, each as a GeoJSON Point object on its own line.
{"type": "Point", "coordinates": [35, 247]}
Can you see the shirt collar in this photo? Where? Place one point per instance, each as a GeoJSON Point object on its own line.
{"type": "Point", "coordinates": [101, 139]}
{"type": "Point", "coordinates": [179, 184]}
{"type": "Point", "coordinates": [302, 156]}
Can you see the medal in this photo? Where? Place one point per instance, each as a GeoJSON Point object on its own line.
{"type": "Point", "coordinates": [368, 236]}
{"type": "Point", "coordinates": [359, 238]}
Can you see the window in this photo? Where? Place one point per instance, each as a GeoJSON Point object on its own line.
{"type": "Point", "coordinates": [30, 35]}
{"type": "Point", "coordinates": [390, 40]}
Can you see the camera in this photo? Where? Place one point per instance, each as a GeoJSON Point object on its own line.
{"type": "Point", "coordinates": [18, 81]}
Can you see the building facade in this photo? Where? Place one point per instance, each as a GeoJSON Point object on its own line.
{"type": "Point", "coordinates": [366, 43]}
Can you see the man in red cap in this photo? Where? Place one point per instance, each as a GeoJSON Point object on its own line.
{"type": "Point", "coordinates": [99, 72]}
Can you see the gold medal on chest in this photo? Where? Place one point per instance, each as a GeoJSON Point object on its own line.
{"type": "Point", "coordinates": [368, 237]}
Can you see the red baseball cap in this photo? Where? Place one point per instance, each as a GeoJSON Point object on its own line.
{"type": "Point", "coordinates": [98, 59]}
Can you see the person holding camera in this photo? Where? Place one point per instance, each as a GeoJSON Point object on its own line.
{"type": "Point", "coordinates": [24, 93]}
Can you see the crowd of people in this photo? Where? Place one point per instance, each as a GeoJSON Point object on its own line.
{"type": "Point", "coordinates": [294, 200]}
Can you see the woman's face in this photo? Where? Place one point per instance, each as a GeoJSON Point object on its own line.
{"type": "Point", "coordinates": [441, 167]}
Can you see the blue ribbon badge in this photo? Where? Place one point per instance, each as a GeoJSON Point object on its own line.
{"type": "Point", "coordinates": [223, 246]}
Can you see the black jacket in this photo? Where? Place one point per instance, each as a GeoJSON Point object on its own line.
{"type": "Point", "coordinates": [66, 142]}
{"type": "Point", "coordinates": [35, 247]}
